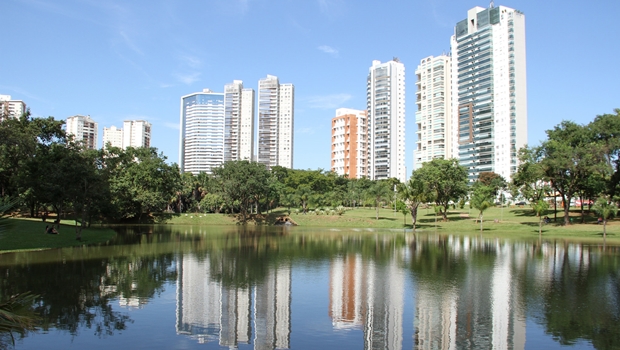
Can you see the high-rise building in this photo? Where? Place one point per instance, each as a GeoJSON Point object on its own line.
{"type": "Point", "coordinates": [434, 107]}
{"type": "Point", "coordinates": [201, 141]}
{"type": "Point", "coordinates": [386, 120]}
{"type": "Point", "coordinates": [11, 108]}
{"type": "Point", "coordinates": [136, 133]}
{"type": "Point", "coordinates": [489, 89]}
{"type": "Point", "coordinates": [275, 122]}
{"type": "Point", "coordinates": [84, 129]}
{"type": "Point", "coordinates": [113, 136]}
{"type": "Point", "coordinates": [239, 122]}
{"type": "Point", "coordinates": [349, 143]}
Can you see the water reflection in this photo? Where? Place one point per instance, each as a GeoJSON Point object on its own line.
{"type": "Point", "coordinates": [236, 288]}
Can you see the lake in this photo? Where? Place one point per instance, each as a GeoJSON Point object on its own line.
{"type": "Point", "coordinates": [187, 287]}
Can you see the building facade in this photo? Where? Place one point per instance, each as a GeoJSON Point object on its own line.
{"type": "Point", "coordinates": [349, 143]}
{"type": "Point", "coordinates": [84, 129]}
{"type": "Point", "coordinates": [275, 122]}
{"type": "Point", "coordinates": [386, 120]}
{"type": "Point", "coordinates": [434, 111]}
{"type": "Point", "coordinates": [11, 108]}
{"type": "Point", "coordinates": [489, 89]}
{"type": "Point", "coordinates": [136, 133]}
{"type": "Point", "coordinates": [239, 122]}
{"type": "Point", "coordinates": [113, 137]}
{"type": "Point", "coordinates": [201, 141]}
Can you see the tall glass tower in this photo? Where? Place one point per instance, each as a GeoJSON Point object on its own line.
{"type": "Point", "coordinates": [489, 90]}
{"type": "Point", "coordinates": [202, 131]}
{"type": "Point", "coordinates": [385, 93]}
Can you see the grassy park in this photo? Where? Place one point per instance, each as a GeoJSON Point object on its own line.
{"type": "Point", "coordinates": [509, 222]}
{"type": "Point", "coordinates": [514, 222]}
{"type": "Point", "coordinates": [29, 234]}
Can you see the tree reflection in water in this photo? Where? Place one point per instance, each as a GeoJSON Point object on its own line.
{"type": "Point", "coordinates": [469, 292]}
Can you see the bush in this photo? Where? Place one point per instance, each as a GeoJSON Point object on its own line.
{"type": "Point", "coordinates": [340, 210]}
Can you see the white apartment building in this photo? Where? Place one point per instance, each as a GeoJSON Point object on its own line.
{"type": "Point", "coordinates": [489, 89]}
{"type": "Point", "coordinates": [386, 120]}
{"type": "Point", "coordinates": [113, 136]}
{"type": "Point", "coordinates": [434, 106]}
{"type": "Point", "coordinates": [349, 143]}
{"type": "Point", "coordinates": [239, 122]}
{"type": "Point", "coordinates": [84, 129]}
{"type": "Point", "coordinates": [275, 122]}
{"type": "Point", "coordinates": [11, 108]}
{"type": "Point", "coordinates": [201, 141]}
{"type": "Point", "coordinates": [136, 133]}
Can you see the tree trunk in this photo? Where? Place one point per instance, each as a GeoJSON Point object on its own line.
{"type": "Point", "coordinates": [480, 222]}
{"type": "Point", "coordinates": [566, 211]}
{"type": "Point", "coordinates": [583, 217]}
{"type": "Point", "coordinates": [414, 213]}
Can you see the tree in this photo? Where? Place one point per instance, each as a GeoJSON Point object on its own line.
{"type": "Point", "coordinates": [242, 182]}
{"type": "Point", "coordinates": [379, 192]}
{"type": "Point", "coordinates": [446, 180]}
{"type": "Point", "coordinates": [606, 210]}
{"type": "Point", "coordinates": [481, 199]}
{"type": "Point", "coordinates": [413, 193]}
{"type": "Point", "coordinates": [540, 208]}
{"type": "Point", "coordinates": [529, 180]}
{"type": "Point", "coordinates": [402, 208]}
{"type": "Point", "coordinates": [492, 180]}
{"type": "Point", "coordinates": [570, 156]}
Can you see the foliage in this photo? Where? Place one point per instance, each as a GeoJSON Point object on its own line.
{"type": "Point", "coordinates": [481, 199]}
{"type": "Point", "coordinates": [413, 193]}
{"type": "Point", "coordinates": [540, 208]}
{"type": "Point", "coordinates": [379, 192]}
{"type": "Point", "coordinates": [243, 182]}
{"type": "Point", "coordinates": [606, 210]}
{"type": "Point", "coordinates": [445, 181]}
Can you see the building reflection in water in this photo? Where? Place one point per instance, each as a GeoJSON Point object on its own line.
{"type": "Point", "coordinates": [369, 296]}
{"type": "Point", "coordinates": [480, 309]}
{"type": "Point", "coordinates": [208, 311]}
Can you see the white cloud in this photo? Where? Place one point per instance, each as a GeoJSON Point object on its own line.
{"type": "Point", "coordinates": [328, 101]}
{"type": "Point", "coordinates": [329, 50]}
{"type": "Point", "coordinates": [188, 78]}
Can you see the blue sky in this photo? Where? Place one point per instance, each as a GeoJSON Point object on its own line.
{"type": "Point", "coordinates": [116, 60]}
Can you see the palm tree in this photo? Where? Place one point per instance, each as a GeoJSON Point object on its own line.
{"type": "Point", "coordinates": [540, 208]}
{"type": "Point", "coordinates": [378, 192]}
{"type": "Point", "coordinates": [481, 199]}
{"type": "Point", "coordinates": [414, 193]}
{"type": "Point", "coordinates": [606, 210]}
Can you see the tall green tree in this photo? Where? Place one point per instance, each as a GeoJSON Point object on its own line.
{"type": "Point", "coordinates": [530, 179]}
{"type": "Point", "coordinates": [570, 156]}
{"type": "Point", "coordinates": [446, 180]}
{"type": "Point", "coordinates": [242, 182]}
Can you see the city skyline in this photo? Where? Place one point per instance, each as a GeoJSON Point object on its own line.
{"type": "Point", "coordinates": [137, 61]}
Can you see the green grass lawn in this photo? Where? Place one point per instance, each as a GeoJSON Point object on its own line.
{"type": "Point", "coordinates": [29, 234]}
{"type": "Point", "coordinates": [512, 222]}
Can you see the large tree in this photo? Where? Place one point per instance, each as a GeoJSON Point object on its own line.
{"type": "Point", "coordinates": [570, 156]}
{"type": "Point", "coordinates": [445, 180]}
{"type": "Point", "coordinates": [242, 182]}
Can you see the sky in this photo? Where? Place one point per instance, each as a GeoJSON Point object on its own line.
{"type": "Point", "coordinates": [117, 60]}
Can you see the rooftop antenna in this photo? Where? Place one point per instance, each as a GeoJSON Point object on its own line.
{"type": "Point", "coordinates": [492, 5]}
